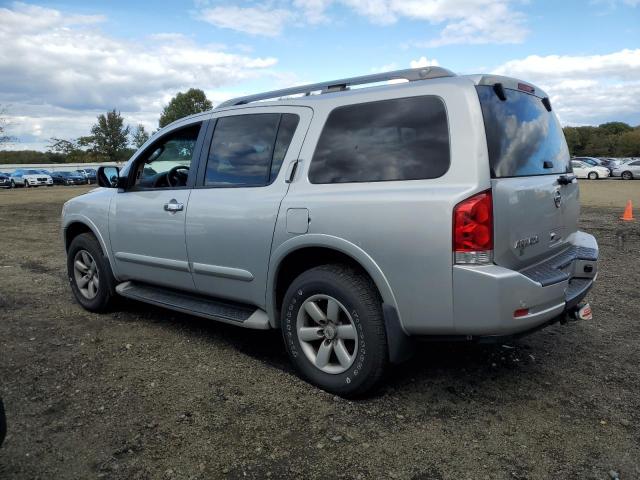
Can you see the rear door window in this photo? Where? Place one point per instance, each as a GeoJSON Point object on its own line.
{"type": "Point", "coordinates": [523, 137]}
{"type": "Point", "coordinates": [399, 139]}
{"type": "Point", "coordinates": [248, 150]}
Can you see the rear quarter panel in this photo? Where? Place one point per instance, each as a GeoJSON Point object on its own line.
{"type": "Point", "coordinates": [404, 227]}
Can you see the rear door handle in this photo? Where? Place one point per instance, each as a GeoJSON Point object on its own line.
{"type": "Point", "coordinates": [291, 170]}
{"type": "Point", "coordinates": [173, 206]}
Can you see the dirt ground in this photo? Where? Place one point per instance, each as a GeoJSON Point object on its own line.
{"type": "Point", "coordinates": [144, 393]}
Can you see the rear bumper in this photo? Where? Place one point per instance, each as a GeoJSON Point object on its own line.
{"type": "Point", "coordinates": [486, 297]}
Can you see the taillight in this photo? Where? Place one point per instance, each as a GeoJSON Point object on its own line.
{"type": "Point", "coordinates": [473, 230]}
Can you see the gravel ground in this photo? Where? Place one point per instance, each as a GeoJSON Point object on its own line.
{"type": "Point", "coordinates": [144, 393]}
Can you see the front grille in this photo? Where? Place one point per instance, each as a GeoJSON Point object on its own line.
{"type": "Point", "coordinates": [42, 179]}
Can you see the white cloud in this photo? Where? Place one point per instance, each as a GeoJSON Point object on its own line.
{"type": "Point", "coordinates": [461, 21]}
{"type": "Point", "coordinates": [423, 62]}
{"type": "Point", "coordinates": [258, 20]}
{"type": "Point", "coordinates": [58, 71]}
{"type": "Point", "coordinates": [588, 89]}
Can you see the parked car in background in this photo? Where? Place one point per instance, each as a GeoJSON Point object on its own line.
{"type": "Point", "coordinates": [628, 171]}
{"type": "Point", "coordinates": [5, 180]}
{"type": "Point", "coordinates": [88, 174]}
{"type": "Point", "coordinates": [585, 170]}
{"type": "Point", "coordinates": [593, 161]}
{"type": "Point", "coordinates": [68, 178]}
{"type": "Point", "coordinates": [610, 163]}
{"type": "Point", "coordinates": [421, 209]}
{"type": "Point", "coordinates": [91, 174]}
{"type": "Point", "coordinates": [30, 178]}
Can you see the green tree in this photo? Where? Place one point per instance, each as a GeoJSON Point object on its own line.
{"type": "Point", "coordinates": [629, 143]}
{"type": "Point", "coordinates": [573, 140]}
{"type": "Point", "coordinates": [66, 151]}
{"type": "Point", "coordinates": [614, 128]}
{"type": "Point", "coordinates": [139, 136]}
{"type": "Point", "coordinates": [183, 104]}
{"type": "Point", "coordinates": [109, 137]}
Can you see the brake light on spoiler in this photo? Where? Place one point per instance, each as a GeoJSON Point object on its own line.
{"type": "Point", "coordinates": [473, 230]}
{"type": "Point", "coordinates": [526, 88]}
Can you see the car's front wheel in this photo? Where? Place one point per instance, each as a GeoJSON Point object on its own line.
{"type": "Point", "coordinates": [13, 184]}
{"type": "Point", "coordinates": [90, 274]}
{"type": "Point", "coordinates": [333, 329]}
{"type": "Point", "coordinates": [593, 176]}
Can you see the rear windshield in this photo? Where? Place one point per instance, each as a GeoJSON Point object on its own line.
{"type": "Point", "coordinates": [523, 138]}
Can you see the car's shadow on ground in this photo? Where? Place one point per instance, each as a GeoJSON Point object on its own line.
{"type": "Point", "coordinates": [433, 362]}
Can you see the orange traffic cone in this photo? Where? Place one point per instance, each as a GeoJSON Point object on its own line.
{"type": "Point", "coordinates": [628, 212]}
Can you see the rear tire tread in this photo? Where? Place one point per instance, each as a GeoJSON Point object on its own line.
{"type": "Point", "coordinates": [354, 283]}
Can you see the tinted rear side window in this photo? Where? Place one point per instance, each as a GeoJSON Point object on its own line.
{"type": "Point", "coordinates": [248, 150]}
{"type": "Point", "coordinates": [399, 139]}
{"type": "Point", "coordinates": [523, 137]}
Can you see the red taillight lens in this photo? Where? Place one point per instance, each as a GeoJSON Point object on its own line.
{"type": "Point", "coordinates": [473, 228]}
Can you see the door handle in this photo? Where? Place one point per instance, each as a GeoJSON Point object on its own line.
{"type": "Point", "coordinates": [173, 206]}
{"type": "Point", "coordinates": [291, 170]}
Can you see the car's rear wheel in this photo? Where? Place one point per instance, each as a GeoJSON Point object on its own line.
{"type": "Point", "coordinates": [627, 175]}
{"type": "Point", "coordinates": [90, 274]}
{"type": "Point", "coordinates": [333, 329]}
{"type": "Point", "coordinates": [593, 176]}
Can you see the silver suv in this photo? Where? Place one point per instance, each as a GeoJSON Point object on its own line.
{"type": "Point", "coordinates": [356, 220]}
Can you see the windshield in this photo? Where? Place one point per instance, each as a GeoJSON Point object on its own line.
{"type": "Point", "coordinates": [32, 172]}
{"type": "Point", "coordinates": [523, 138]}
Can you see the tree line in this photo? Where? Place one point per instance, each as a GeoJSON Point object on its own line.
{"type": "Point", "coordinates": [613, 139]}
{"type": "Point", "coordinates": [109, 139]}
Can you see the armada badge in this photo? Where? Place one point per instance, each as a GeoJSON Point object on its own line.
{"type": "Point", "coordinates": [525, 242]}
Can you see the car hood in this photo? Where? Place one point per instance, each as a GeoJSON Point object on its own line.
{"type": "Point", "coordinates": [35, 175]}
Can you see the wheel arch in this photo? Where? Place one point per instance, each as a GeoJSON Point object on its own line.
{"type": "Point", "coordinates": [307, 251]}
{"type": "Point", "coordinates": [77, 225]}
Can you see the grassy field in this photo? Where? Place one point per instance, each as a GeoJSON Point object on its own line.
{"type": "Point", "coordinates": [144, 393]}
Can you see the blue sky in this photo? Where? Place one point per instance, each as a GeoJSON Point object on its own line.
{"type": "Point", "coordinates": [62, 63]}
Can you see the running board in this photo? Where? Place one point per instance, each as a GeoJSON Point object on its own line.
{"type": "Point", "coordinates": [219, 310]}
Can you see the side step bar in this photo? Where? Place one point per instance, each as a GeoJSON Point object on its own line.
{"type": "Point", "coordinates": [219, 310]}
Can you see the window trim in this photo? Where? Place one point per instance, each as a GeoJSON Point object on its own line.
{"type": "Point", "coordinates": [199, 182]}
{"type": "Point", "coordinates": [446, 113]}
{"type": "Point", "coordinates": [193, 167]}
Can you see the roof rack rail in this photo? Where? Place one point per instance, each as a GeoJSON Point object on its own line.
{"type": "Point", "coordinates": [410, 74]}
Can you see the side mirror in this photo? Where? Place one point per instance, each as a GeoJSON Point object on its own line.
{"type": "Point", "coordinates": [108, 177]}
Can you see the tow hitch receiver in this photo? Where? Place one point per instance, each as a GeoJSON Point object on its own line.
{"type": "Point", "coordinates": [583, 312]}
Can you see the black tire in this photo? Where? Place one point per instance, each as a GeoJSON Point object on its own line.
{"type": "Point", "coordinates": [356, 292]}
{"type": "Point", "coordinates": [626, 175]}
{"type": "Point", "coordinates": [13, 184]}
{"type": "Point", "coordinates": [26, 184]}
{"type": "Point", "coordinates": [3, 423]}
{"type": "Point", "coordinates": [593, 176]}
{"type": "Point", "coordinates": [104, 298]}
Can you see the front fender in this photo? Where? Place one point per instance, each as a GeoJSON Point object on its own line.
{"type": "Point", "coordinates": [91, 210]}
{"type": "Point", "coordinates": [328, 241]}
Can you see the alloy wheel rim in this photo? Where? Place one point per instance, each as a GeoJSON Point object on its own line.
{"type": "Point", "coordinates": [327, 334]}
{"type": "Point", "coordinates": [85, 272]}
